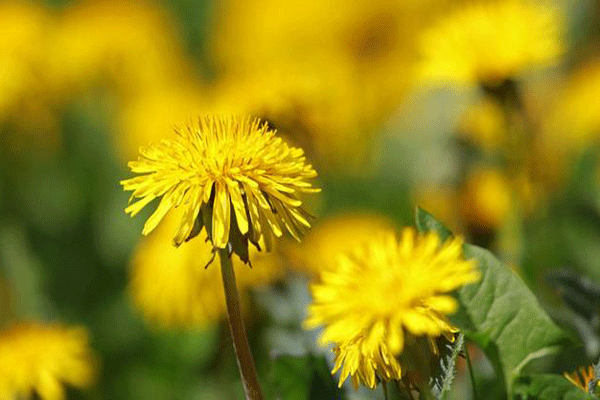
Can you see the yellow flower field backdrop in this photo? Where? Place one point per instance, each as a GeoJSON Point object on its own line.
{"type": "Point", "coordinates": [313, 129]}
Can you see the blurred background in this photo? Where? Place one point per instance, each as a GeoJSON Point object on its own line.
{"type": "Point", "coordinates": [484, 113]}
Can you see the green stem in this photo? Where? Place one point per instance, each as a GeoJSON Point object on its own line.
{"type": "Point", "coordinates": [238, 331]}
{"type": "Point", "coordinates": [470, 367]}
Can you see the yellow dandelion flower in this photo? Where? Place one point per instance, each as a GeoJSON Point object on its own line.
{"type": "Point", "coordinates": [491, 41]}
{"type": "Point", "coordinates": [338, 234]}
{"type": "Point", "coordinates": [41, 358]}
{"type": "Point", "coordinates": [486, 199]}
{"type": "Point", "coordinates": [571, 126]}
{"type": "Point", "coordinates": [148, 117]}
{"type": "Point", "coordinates": [324, 107]}
{"type": "Point", "coordinates": [440, 200]}
{"type": "Point", "coordinates": [23, 28]}
{"type": "Point", "coordinates": [583, 378]}
{"type": "Point", "coordinates": [382, 296]}
{"type": "Point", "coordinates": [172, 288]}
{"type": "Point", "coordinates": [484, 124]}
{"type": "Point", "coordinates": [232, 176]}
{"type": "Point", "coordinates": [131, 45]}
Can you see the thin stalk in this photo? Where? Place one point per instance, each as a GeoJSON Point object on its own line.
{"type": "Point", "coordinates": [470, 367]}
{"type": "Point", "coordinates": [238, 331]}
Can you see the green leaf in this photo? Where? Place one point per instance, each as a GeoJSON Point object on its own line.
{"type": "Point", "coordinates": [303, 378]}
{"type": "Point", "coordinates": [547, 387]}
{"type": "Point", "coordinates": [442, 380]}
{"type": "Point", "coordinates": [426, 222]}
{"type": "Point", "coordinates": [501, 314]}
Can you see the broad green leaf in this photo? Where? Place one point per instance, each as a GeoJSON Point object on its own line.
{"type": "Point", "coordinates": [500, 313]}
{"type": "Point", "coordinates": [442, 382]}
{"type": "Point", "coordinates": [547, 387]}
{"type": "Point", "coordinates": [303, 378]}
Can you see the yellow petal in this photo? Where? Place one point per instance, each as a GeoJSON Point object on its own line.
{"type": "Point", "coordinates": [221, 216]}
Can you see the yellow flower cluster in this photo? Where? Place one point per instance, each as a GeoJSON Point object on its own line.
{"type": "Point", "coordinates": [39, 359]}
{"type": "Point", "coordinates": [382, 295]}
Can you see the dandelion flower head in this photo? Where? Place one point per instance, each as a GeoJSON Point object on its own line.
{"type": "Point", "coordinates": [145, 118]}
{"type": "Point", "coordinates": [41, 358]}
{"type": "Point", "coordinates": [382, 296]}
{"type": "Point", "coordinates": [490, 42]}
{"type": "Point", "coordinates": [131, 45]}
{"type": "Point", "coordinates": [232, 176]}
{"type": "Point", "coordinates": [171, 287]}
{"type": "Point", "coordinates": [572, 124]}
{"type": "Point", "coordinates": [338, 234]}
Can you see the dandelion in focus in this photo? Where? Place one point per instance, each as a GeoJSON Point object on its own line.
{"type": "Point", "coordinates": [383, 299]}
{"type": "Point", "coordinates": [487, 43]}
{"type": "Point", "coordinates": [232, 176]}
{"type": "Point", "coordinates": [39, 359]}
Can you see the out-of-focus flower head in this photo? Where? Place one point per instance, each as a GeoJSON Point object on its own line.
{"type": "Point", "coordinates": [440, 200]}
{"type": "Point", "coordinates": [338, 234]}
{"type": "Point", "coordinates": [233, 177]}
{"type": "Point", "coordinates": [342, 69]}
{"type": "Point", "coordinates": [486, 199]}
{"type": "Point", "coordinates": [383, 297]}
{"type": "Point", "coordinates": [23, 30]}
{"type": "Point", "coordinates": [40, 359]}
{"type": "Point", "coordinates": [25, 94]}
{"type": "Point", "coordinates": [132, 46]}
{"type": "Point", "coordinates": [572, 124]}
{"type": "Point", "coordinates": [172, 288]}
{"type": "Point", "coordinates": [484, 125]}
{"type": "Point", "coordinates": [155, 114]}
{"type": "Point", "coordinates": [489, 42]}
{"type": "Point", "coordinates": [325, 110]}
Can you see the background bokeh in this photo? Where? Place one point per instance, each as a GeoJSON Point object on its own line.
{"type": "Point", "coordinates": [484, 113]}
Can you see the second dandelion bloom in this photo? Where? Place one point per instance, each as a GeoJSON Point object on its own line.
{"type": "Point", "coordinates": [386, 296]}
{"type": "Point", "coordinates": [232, 176]}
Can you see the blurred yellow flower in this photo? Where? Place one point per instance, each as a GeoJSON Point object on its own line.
{"type": "Point", "coordinates": [484, 125]}
{"type": "Point", "coordinates": [41, 358]}
{"type": "Point", "coordinates": [25, 89]}
{"type": "Point", "coordinates": [130, 45]}
{"type": "Point", "coordinates": [338, 234]}
{"type": "Point", "coordinates": [583, 378]}
{"type": "Point", "coordinates": [384, 294]}
{"type": "Point", "coordinates": [232, 176]}
{"type": "Point", "coordinates": [326, 109]}
{"type": "Point", "coordinates": [172, 288]}
{"type": "Point", "coordinates": [441, 201]}
{"type": "Point", "coordinates": [23, 31]}
{"type": "Point", "coordinates": [572, 125]}
{"type": "Point", "coordinates": [489, 42]}
{"type": "Point", "coordinates": [486, 199]}
{"type": "Point", "coordinates": [154, 114]}
{"type": "Point", "coordinates": [337, 71]}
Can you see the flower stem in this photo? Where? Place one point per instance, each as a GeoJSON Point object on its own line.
{"type": "Point", "coordinates": [238, 331]}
